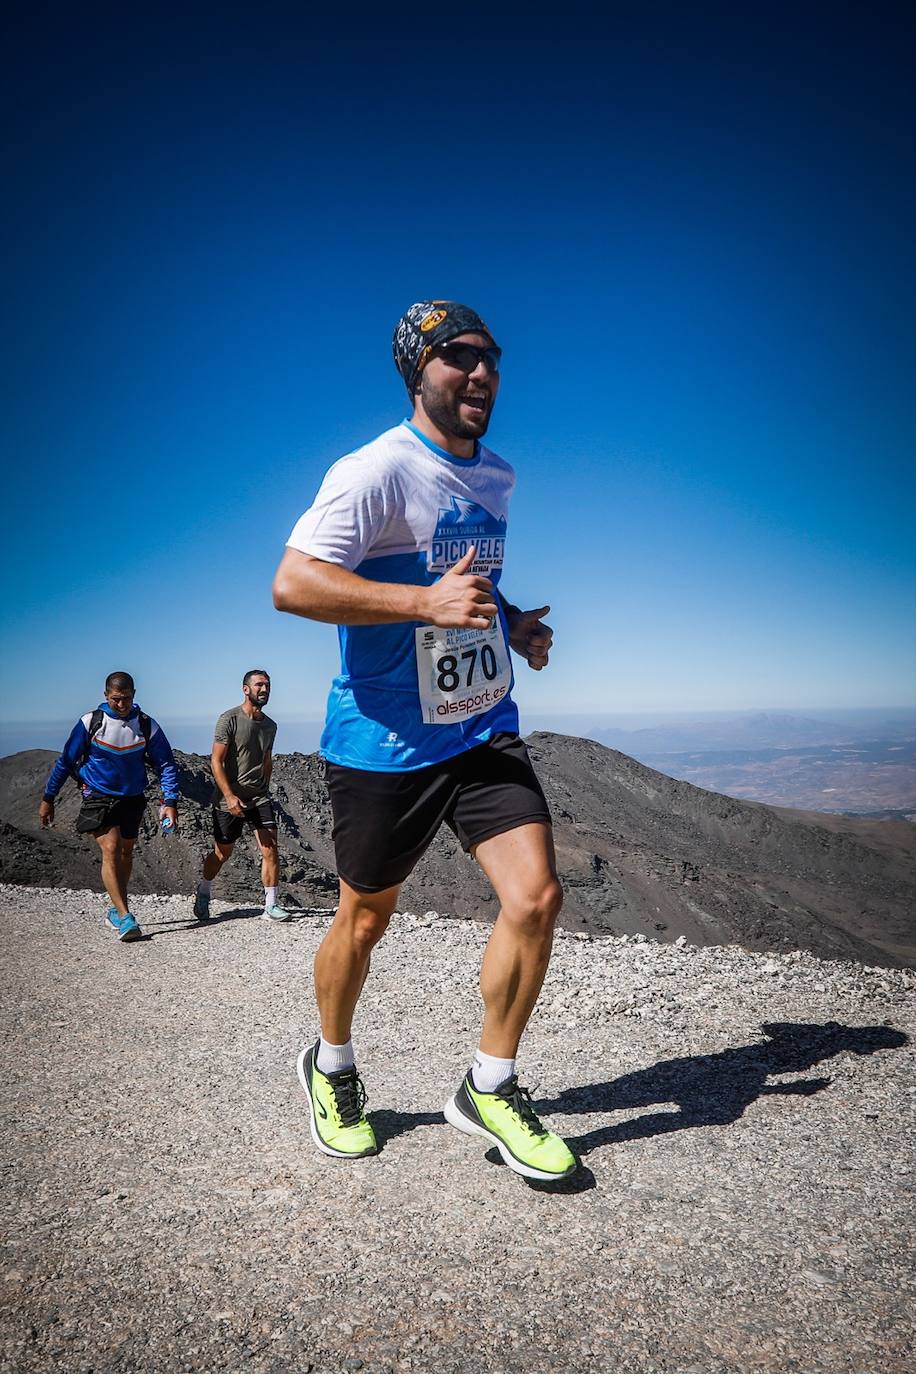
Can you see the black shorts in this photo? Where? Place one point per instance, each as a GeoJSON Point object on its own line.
{"type": "Point", "coordinates": [227, 828]}
{"type": "Point", "coordinates": [101, 812]}
{"type": "Point", "coordinates": [383, 822]}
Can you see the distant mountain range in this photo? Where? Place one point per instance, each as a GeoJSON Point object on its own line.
{"type": "Point", "coordinates": [753, 731]}
{"type": "Point", "coordinates": [863, 762]}
{"type": "Point", "coordinates": [639, 853]}
{"type": "Point", "coordinates": [786, 760]}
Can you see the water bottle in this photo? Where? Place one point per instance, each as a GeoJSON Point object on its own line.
{"type": "Point", "coordinates": [166, 824]}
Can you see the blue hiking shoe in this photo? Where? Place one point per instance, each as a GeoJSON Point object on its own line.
{"type": "Point", "coordinates": [275, 913]}
{"type": "Point", "coordinates": [202, 907]}
{"type": "Point", "coordinates": [125, 926]}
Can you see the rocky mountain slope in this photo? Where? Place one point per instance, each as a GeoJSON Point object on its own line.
{"type": "Point", "coordinates": [639, 853]}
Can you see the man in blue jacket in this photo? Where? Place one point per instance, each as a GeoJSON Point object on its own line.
{"type": "Point", "coordinates": [106, 753]}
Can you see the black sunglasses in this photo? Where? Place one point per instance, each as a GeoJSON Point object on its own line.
{"type": "Point", "coordinates": [467, 357]}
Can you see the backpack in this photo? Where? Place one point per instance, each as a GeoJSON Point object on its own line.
{"type": "Point", "coordinates": [95, 725]}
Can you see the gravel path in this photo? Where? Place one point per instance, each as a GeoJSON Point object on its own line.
{"type": "Point", "coordinates": [745, 1201]}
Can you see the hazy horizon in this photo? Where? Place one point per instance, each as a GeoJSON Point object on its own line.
{"type": "Point", "coordinates": [301, 734]}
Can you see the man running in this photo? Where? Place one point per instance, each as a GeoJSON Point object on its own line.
{"type": "Point", "coordinates": [242, 762]}
{"type": "Point", "coordinates": [403, 550]}
{"type": "Point", "coordinates": [106, 753]}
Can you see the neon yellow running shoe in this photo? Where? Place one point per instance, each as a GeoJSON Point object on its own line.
{"type": "Point", "coordinates": [507, 1119]}
{"type": "Point", "coordinates": [336, 1102]}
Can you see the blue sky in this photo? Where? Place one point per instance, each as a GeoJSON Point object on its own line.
{"type": "Point", "coordinates": [692, 235]}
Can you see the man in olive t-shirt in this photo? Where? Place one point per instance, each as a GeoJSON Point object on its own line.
{"type": "Point", "coordinates": [242, 760]}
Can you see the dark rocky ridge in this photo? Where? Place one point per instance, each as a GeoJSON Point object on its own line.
{"type": "Point", "coordinates": [639, 853]}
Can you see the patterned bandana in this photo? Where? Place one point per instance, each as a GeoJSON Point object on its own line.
{"type": "Point", "coordinates": [426, 325]}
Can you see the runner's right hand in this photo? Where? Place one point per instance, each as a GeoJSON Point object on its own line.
{"type": "Point", "coordinates": [46, 814]}
{"type": "Point", "coordinates": [236, 808]}
{"type": "Point", "coordinates": [460, 600]}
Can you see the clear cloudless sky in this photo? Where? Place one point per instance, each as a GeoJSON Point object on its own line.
{"type": "Point", "coordinates": [690, 227]}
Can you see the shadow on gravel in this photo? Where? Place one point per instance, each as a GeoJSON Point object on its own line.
{"type": "Point", "coordinates": [388, 1125]}
{"type": "Point", "coordinates": [191, 926]}
{"type": "Point", "coordinates": [715, 1089]}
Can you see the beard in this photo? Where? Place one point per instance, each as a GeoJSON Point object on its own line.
{"type": "Point", "coordinates": [442, 408]}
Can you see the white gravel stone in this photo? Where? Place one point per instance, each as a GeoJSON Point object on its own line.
{"type": "Point", "coordinates": [745, 1201]}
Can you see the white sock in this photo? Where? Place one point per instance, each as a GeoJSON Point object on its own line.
{"type": "Point", "coordinates": [203, 887]}
{"type": "Point", "coordinates": [270, 896]}
{"type": "Point", "coordinates": [333, 1058]}
{"type": "Point", "coordinates": [488, 1072]}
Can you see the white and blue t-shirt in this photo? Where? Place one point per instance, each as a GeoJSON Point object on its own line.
{"type": "Point", "coordinates": [403, 510]}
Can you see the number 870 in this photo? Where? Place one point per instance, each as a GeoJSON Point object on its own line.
{"type": "Point", "coordinates": [448, 676]}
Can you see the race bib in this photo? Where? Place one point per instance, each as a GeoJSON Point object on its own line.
{"type": "Point", "coordinates": [461, 673]}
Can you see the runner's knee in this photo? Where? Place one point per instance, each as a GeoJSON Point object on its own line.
{"type": "Point", "coordinates": [546, 908]}
{"type": "Point", "coordinates": [364, 925]}
{"type": "Point", "coordinates": [369, 927]}
{"type": "Point", "coordinates": [536, 914]}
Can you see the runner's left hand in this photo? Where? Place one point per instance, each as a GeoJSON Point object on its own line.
{"type": "Point", "coordinates": [530, 637]}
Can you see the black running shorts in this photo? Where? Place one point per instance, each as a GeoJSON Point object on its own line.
{"type": "Point", "coordinates": [101, 812]}
{"type": "Point", "coordinates": [227, 828]}
{"type": "Point", "coordinates": [383, 822]}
